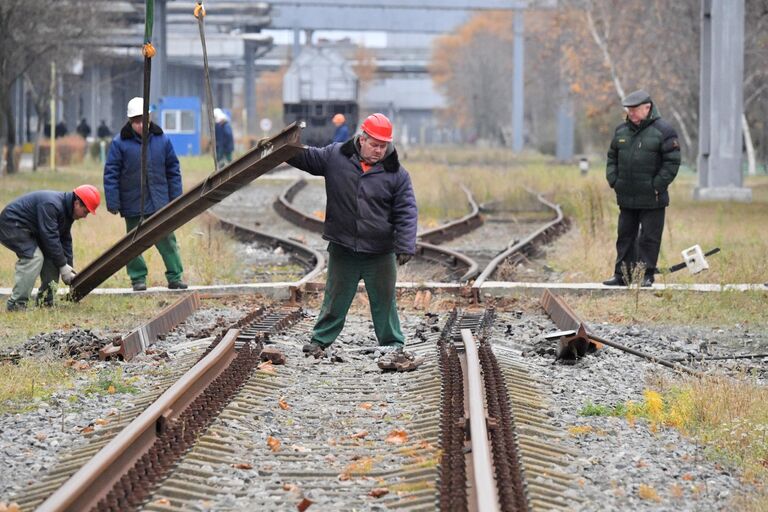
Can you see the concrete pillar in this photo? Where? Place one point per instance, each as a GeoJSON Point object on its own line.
{"type": "Point", "coordinates": [250, 88]}
{"type": "Point", "coordinates": [565, 129]}
{"type": "Point", "coordinates": [157, 87]}
{"type": "Point", "coordinates": [721, 102]}
{"type": "Point", "coordinates": [518, 80]}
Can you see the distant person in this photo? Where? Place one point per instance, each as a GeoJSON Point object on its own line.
{"type": "Point", "coordinates": [103, 131]}
{"type": "Point", "coordinates": [225, 141]}
{"type": "Point", "coordinates": [61, 129]}
{"type": "Point", "coordinates": [122, 189]}
{"type": "Point", "coordinates": [342, 131]}
{"type": "Point", "coordinates": [642, 162]}
{"type": "Point", "coordinates": [83, 129]}
{"type": "Point", "coordinates": [370, 224]}
{"type": "Point", "coordinates": [37, 227]}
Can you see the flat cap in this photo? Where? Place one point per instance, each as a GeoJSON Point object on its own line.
{"type": "Point", "coordinates": [636, 98]}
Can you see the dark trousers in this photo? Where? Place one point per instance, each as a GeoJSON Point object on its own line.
{"type": "Point", "coordinates": [638, 240]}
{"type": "Point", "coordinates": [345, 269]}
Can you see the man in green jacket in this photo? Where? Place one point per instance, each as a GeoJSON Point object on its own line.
{"type": "Point", "coordinates": [642, 162]}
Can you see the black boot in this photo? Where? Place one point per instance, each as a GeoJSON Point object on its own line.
{"type": "Point", "coordinates": [615, 281]}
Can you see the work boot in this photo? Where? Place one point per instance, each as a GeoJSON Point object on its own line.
{"type": "Point", "coordinates": [12, 305]}
{"type": "Point", "coordinates": [177, 285]}
{"type": "Point", "coordinates": [647, 282]}
{"type": "Point", "coordinates": [615, 281]}
{"type": "Point", "coordinates": [399, 360]}
{"type": "Point", "coordinates": [139, 286]}
{"type": "Point", "coordinates": [313, 349]}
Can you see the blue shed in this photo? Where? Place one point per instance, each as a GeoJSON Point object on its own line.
{"type": "Point", "coordinates": [180, 119]}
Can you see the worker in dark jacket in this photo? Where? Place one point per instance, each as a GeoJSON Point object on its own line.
{"type": "Point", "coordinates": [225, 141]}
{"type": "Point", "coordinates": [122, 189]}
{"type": "Point", "coordinates": [37, 227]}
{"type": "Point", "coordinates": [370, 223]}
{"type": "Point", "coordinates": [642, 163]}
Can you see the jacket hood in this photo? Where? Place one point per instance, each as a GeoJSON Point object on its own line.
{"type": "Point", "coordinates": [391, 161]}
{"type": "Point", "coordinates": [126, 132]}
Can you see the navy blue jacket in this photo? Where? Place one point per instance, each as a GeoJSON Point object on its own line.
{"type": "Point", "coordinates": [225, 141]}
{"type": "Point", "coordinates": [40, 219]}
{"type": "Point", "coordinates": [373, 212]}
{"type": "Point", "coordinates": [122, 173]}
{"type": "Point", "coordinates": [341, 134]}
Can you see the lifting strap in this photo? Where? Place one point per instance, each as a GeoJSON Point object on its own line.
{"type": "Point", "coordinates": [148, 51]}
{"type": "Point", "coordinates": [200, 15]}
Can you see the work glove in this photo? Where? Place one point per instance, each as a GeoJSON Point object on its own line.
{"type": "Point", "coordinates": [402, 259]}
{"type": "Point", "coordinates": [67, 274]}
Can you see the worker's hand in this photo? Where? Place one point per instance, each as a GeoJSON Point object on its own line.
{"type": "Point", "coordinates": [402, 259]}
{"type": "Point", "coordinates": [67, 274]}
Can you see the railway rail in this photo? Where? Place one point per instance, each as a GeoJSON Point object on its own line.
{"type": "Point", "coordinates": [168, 455]}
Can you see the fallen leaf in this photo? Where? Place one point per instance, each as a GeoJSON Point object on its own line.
{"type": "Point", "coordinates": [87, 430]}
{"type": "Point", "coordinates": [112, 412]}
{"type": "Point", "coordinates": [366, 405]}
{"type": "Point", "coordinates": [81, 366]}
{"type": "Point", "coordinates": [273, 443]}
{"type": "Point", "coordinates": [688, 477]}
{"type": "Point", "coordinates": [242, 465]}
{"type": "Point", "coordinates": [111, 389]}
{"type": "Point", "coordinates": [647, 492]}
{"type": "Point", "coordinates": [304, 504]}
{"type": "Point", "coordinates": [359, 435]}
{"type": "Point", "coordinates": [344, 477]}
{"type": "Point", "coordinates": [40, 436]}
{"type": "Point", "coordinates": [378, 492]}
{"type": "Point", "coordinates": [641, 464]}
{"type": "Point", "coordinates": [267, 367]}
{"type": "Point", "coordinates": [162, 501]}
{"type": "Point", "coordinates": [290, 487]}
{"type": "Point", "coordinates": [283, 404]}
{"type": "Point", "coordinates": [101, 421]}
{"type": "Point", "coordinates": [299, 448]}
{"type": "Point", "coordinates": [397, 437]}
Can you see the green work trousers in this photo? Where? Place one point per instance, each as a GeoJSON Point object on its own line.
{"type": "Point", "coordinates": [169, 250]}
{"type": "Point", "coordinates": [345, 269]}
{"type": "Point", "coordinates": [27, 270]}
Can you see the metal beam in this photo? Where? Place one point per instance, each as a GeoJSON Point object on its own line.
{"type": "Point", "coordinates": [440, 5]}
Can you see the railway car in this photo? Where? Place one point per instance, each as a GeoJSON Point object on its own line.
{"type": "Point", "coordinates": [318, 84]}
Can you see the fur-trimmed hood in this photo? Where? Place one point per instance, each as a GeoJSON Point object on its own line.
{"type": "Point", "coordinates": [391, 161]}
{"type": "Point", "coordinates": [126, 132]}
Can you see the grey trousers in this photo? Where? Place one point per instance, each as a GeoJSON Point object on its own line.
{"type": "Point", "coordinates": [27, 270]}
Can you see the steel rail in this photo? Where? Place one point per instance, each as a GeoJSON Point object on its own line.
{"type": "Point", "coordinates": [456, 228]}
{"type": "Point", "coordinates": [95, 479]}
{"type": "Point", "coordinates": [483, 480]}
{"type": "Point", "coordinates": [440, 255]}
{"type": "Point", "coordinates": [184, 208]}
{"type": "Point", "coordinates": [524, 246]}
{"type": "Point", "coordinates": [309, 257]}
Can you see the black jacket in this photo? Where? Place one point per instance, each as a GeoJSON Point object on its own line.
{"type": "Point", "coordinates": [642, 162]}
{"type": "Point", "coordinates": [40, 219]}
{"type": "Point", "coordinates": [373, 212]}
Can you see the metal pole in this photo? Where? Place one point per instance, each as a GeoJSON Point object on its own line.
{"type": "Point", "coordinates": [518, 83]}
{"type": "Point", "coordinates": [645, 355]}
{"type": "Point", "coordinates": [52, 156]}
{"type": "Point", "coordinates": [250, 87]}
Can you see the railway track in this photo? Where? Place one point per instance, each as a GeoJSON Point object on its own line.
{"type": "Point", "coordinates": [399, 441]}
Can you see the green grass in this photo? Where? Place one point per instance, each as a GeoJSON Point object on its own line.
{"type": "Point", "coordinates": [23, 383]}
{"type": "Point", "coordinates": [111, 381]}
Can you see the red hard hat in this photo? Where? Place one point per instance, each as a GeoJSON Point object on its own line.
{"type": "Point", "coordinates": [378, 127]}
{"type": "Point", "coordinates": [90, 197]}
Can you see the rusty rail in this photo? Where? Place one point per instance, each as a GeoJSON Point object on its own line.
{"type": "Point", "coordinates": [576, 337]}
{"type": "Point", "coordinates": [525, 246]}
{"type": "Point", "coordinates": [212, 190]}
{"type": "Point", "coordinates": [138, 340]}
{"type": "Point", "coordinates": [455, 228]}
{"type": "Point", "coordinates": [96, 478]}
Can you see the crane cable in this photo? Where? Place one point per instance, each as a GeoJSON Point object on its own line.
{"type": "Point", "coordinates": [148, 51]}
{"type": "Point", "coordinates": [199, 13]}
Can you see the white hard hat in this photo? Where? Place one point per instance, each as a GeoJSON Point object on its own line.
{"type": "Point", "coordinates": [219, 115]}
{"type": "Point", "coordinates": [135, 107]}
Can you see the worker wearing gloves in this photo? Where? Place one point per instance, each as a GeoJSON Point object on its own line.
{"type": "Point", "coordinates": [122, 190]}
{"type": "Point", "coordinates": [370, 224]}
{"type": "Point", "coordinates": [36, 226]}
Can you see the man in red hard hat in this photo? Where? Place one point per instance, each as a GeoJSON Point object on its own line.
{"type": "Point", "coordinates": [37, 227]}
{"type": "Point", "coordinates": [370, 224]}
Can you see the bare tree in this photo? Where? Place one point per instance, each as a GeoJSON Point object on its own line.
{"type": "Point", "coordinates": [40, 31]}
